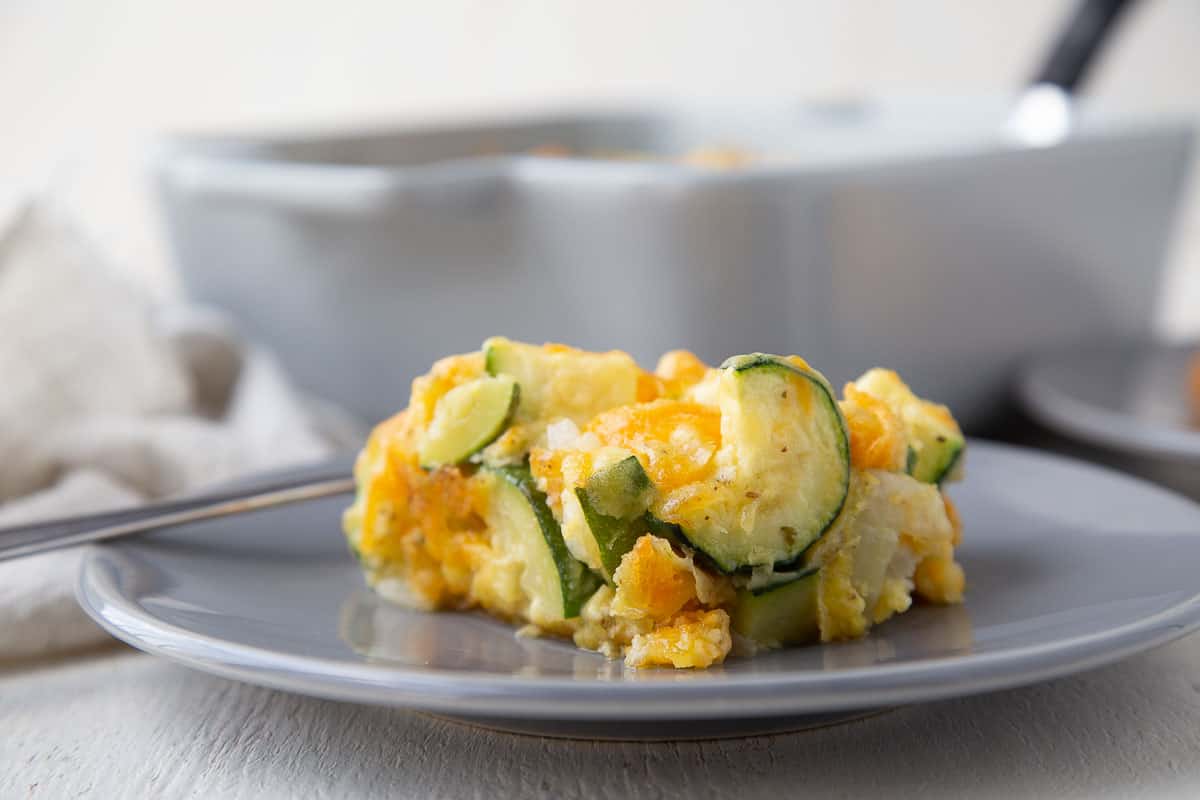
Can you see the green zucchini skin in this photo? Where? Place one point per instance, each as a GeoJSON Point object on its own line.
{"type": "Point", "coordinates": [625, 490]}
{"type": "Point", "coordinates": [622, 490]}
{"type": "Point", "coordinates": [495, 406]}
{"type": "Point", "coordinates": [673, 534]}
{"type": "Point", "coordinates": [614, 503]}
{"type": "Point", "coordinates": [937, 460]}
{"type": "Point", "coordinates": [610, 379]}
{"type": "Point", "coordinates": [935, 443]}
{"type": "Point", "coordinates": [614, 536]}
{"type": "Point", "coordinates": [576, 582]}
{"type": "Point", "coordinates": [834, 473]}
{"type": "Point", "coordinates": [784, 613]}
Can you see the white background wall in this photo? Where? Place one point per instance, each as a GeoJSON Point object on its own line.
{"type": "Point", "coordinates": [82, 82]}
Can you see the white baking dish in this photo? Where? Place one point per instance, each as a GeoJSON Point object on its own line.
{"type": "Point", "coordinates": [910, 234]}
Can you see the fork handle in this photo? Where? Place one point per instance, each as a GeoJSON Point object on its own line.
{"type": "Point", "coordinates": [25, 540]}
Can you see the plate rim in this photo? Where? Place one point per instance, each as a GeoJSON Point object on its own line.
{"type": "Point", "coordinates": [747, 696]}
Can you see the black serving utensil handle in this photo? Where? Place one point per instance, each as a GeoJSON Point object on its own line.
{"type": "Point", "coordinates": [1080, 40]}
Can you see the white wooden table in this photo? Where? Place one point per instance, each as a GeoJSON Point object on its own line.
{"type": "Point", "coordinates": [119, 724]}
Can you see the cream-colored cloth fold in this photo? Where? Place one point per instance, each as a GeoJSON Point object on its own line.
{"type": "Point", "coordinates": [106, 402]}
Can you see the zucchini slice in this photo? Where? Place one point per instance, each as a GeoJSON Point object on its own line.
{"type": "Point", "coordinates": [787, 458]}
{"type": "Point", "coordinates": [614, 504]}
{"type": "Point", "coordinates": [468, 418]}
{"type": "Point", "coordinates": [614, 536]}
{"type": "Point", "coordinates": [782, 613]}
{"type": "Point", "coordinates": [524, 528]}
{"type": "Point", "coordinates": [561, 382]}
{"type": "Point", "coordinates": [939, 458]}
{"type": "Point", "coordinates": [935, 442]}
{"type": "Point", "coordinates": [621, 490]}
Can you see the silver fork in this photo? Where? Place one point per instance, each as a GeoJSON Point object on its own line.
{"type": "Point", "coordinates": [25, 540]}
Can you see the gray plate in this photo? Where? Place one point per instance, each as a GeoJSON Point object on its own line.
{"type": "Point", "coordinates": [1069, 566]}
{"type": "Point", "coordinates": [1130, 397]}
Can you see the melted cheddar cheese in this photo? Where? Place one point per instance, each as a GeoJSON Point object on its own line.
{"type": "Point", "coordinates": [423, 540]}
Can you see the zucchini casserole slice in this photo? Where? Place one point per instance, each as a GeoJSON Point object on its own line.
{"type": "Point", "coordinates": [660, 517]}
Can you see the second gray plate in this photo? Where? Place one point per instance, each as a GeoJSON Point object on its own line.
{"type": "Point", "coordinates": [1131, 397]}
{"type": "Point", "coordinates": [1069, 566]}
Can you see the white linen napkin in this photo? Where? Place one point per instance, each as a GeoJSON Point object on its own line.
{"type": "Point", "coordinates": [106, 402]}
